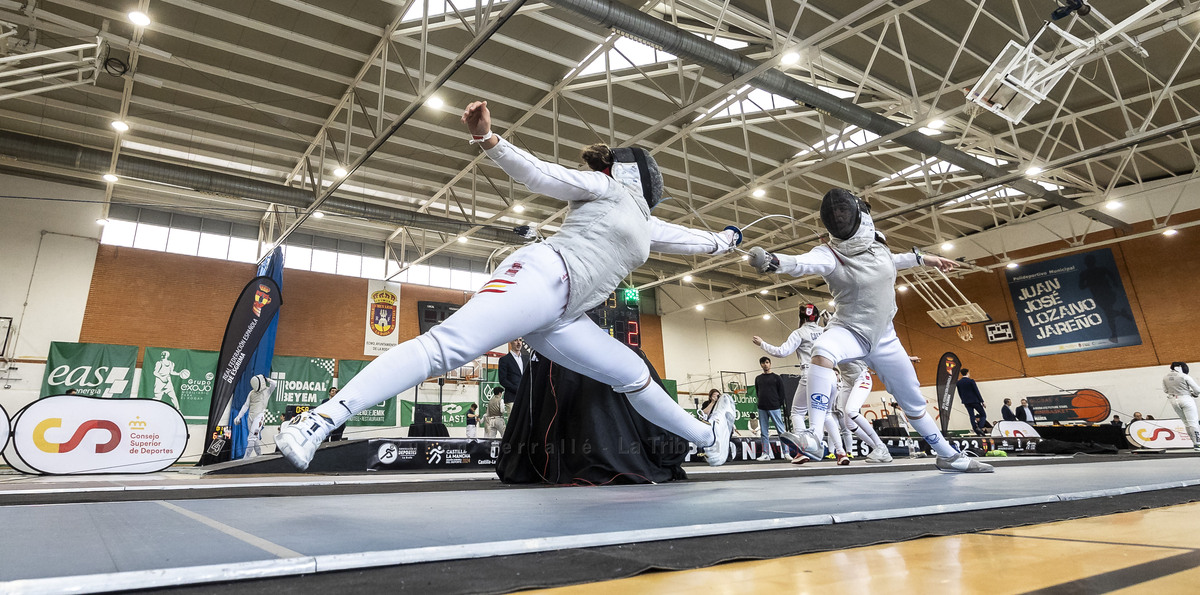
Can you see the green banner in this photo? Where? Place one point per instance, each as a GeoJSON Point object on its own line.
{"type": "Point", "coordinates": [747, 403]}
{"type": "Point", "coordinates": [91, 369]}
{"type": "Point", "coordinates": [179, 377]}
{"type": "Point", "coordinates": [454, 415]}
{"type": "Point", "coordinates": [303, 381]}
{"type": "Point", "coordinates": [383, 414]}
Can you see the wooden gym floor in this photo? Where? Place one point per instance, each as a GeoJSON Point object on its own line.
{"type": "Point", "coordinates": [1149, 551]}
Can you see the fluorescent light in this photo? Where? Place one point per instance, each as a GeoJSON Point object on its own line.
{"type": "Point", "coordinates": [1033, 170]}
{"type": "Point", "coordinates": [902, 288]}
{"type": "Point", "coordinates": [745, 257]}
{"type": "Point", "coordinates": [947, 246]}
{"type": "Point", "coordinates": [462, 239]}
{"type": "Point", "coordinates": [317, 214]}
{"type": "Point", "coordinates": [139, 18]}
{"type": "Point", "coordinates": [687, 278]}
{"type": "Point", "coordinates": [119, 126]}
{"type": "Point", "coordinates": [1170, 232]}
{"type": "Point", "coordinates": [762, 291]}
{"type": "Point", "coordinates": [110, 178]}
{"type": "Point", "coordinates": [1112, 205]}
{"type": "Point", "coordinates": [759, 193]}
{"type": "Point", "coordinates": [435, 102]}
{"type": "Point", "coordinates": [700, 307]}
{"type": "Point", "coordinates": [937, 124]}
{"type": "Point", "coordinates": [832, 303]}
{"type": "Point", "coordinates": [340, 171]}
{"type": "Point", "coordinates": [789, 58]}
{"type": "Point", "coordinates": [1012, 265]}
{"type": "Point", "coordinates": [766, 316]}
{"type": "Point", "coordinates": [102, 222]}
{"type": "Point", "coordinates": [518, 208]}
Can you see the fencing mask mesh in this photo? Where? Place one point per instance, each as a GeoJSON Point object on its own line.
{"type": "Point", "coordinates": [841, 212]}
{"type": "Point", "coordinates": [1181, 366]}
{"type": "Point", "coordinates": [635, 169]}
{"type": "Point", "coordinates": [257, 382]}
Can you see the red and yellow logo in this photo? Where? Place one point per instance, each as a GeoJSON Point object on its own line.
{"type": "Point", "coordinates": [383, 312]}
{"type": "Point", "coordinates": [497, 286]}
{"type": "Point", "coordinates": [262, 297]}
{"type": "Point", "coordinates": [39, 435]}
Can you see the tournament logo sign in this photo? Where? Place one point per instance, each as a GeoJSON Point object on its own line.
{"type": "Point", "coordinates": [947, 381]}
{"type": "Point", "coordinates": [1159, 433]}
{"type": "Point", "coordinates": [1014, 429]}
{"type": "Point", "coordinates": [92, 369]}
{"type": "Point", "coordinates": [70, 434]}
{"type": "Point", "coordinates": [1085, 404]}
{"type": "Point", "coordinates": [383, 312]}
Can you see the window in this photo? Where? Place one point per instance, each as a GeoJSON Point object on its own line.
{"type": "Point", "coordinates": [183, 241]}
{"type": "Point", "coordinates": [213, 246]}
{"type": "Point", "coordinates": [372, 268]}
{"type": "Point", "coordinates": [150, 237]}
{"type": "Point", "coordinates": [118, 233]}
{"type": "Point", "coordinates": [439, 276]}
{"type": "Point", "coordinates": [349, 264]}
{"type": "Point", "coordinates": [627, 53]}
{"type": "Point", "coordinates": [460, 279]}
{"type": "Point", "coordinates": [243, 250]}
{"type": "Point", "coordinates": [755, 101]}
{"type": "Point", "coordinates": [419, 274]}
{"type": "Point", "coordinates": [324, 261]}
{"type": "Point", "coordinates": [297, 257]}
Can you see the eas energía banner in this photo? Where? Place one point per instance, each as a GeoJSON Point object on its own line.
{"type": "Point", "coordinates": [92, 369]}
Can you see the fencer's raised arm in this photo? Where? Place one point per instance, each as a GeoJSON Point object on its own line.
{"type": "Point", "coordinates": [906, 260]}
{"type": "Point", "coordinates": [549, 179]}
{"type": "Point", "coordinates": [788, 347]}
{"type": "Point", "coordinates": [671, 238]}
{"type": "Point", "coordinates": [818, 261]}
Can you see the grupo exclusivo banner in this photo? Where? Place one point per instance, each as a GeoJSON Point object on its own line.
{"type": "Point", "coordinates": [255, 309]}
{"type": "Point", "coordinates": [383, 414]}
{"type": "Point", "coordinates": [91, 369]}
{"type": "Point", "coordinates": [1073, 303]}
{"type": "Point", "coordinates": [182, 378]}
{"type": "Point", "coordinates": [947, 381]}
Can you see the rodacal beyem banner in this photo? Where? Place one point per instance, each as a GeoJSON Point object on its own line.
{"type": "Point", "coordinates": [383, 414]}
{"type": "Point", "coordinates": [92, 369]}
{"type": "Point", "coordinates": [179, 377]}
{"type": "Point", "coordinates": [1073, 303]}
{"type": "Point", "coordinates": [303, 381]}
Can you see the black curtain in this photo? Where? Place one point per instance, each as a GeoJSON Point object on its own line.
{"type": "Point", "coordinates": [566, 429]}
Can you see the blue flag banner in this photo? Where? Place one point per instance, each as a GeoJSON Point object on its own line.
{"type": "Point", "coordinates": [1073, 303]}
{"type": "Point", "coordinates": [260, 361]}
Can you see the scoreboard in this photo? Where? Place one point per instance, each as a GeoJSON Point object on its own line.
{"type": "Point", "coordinates": [620, 316]}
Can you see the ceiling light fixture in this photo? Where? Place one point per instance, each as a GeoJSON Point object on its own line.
{"type": "Point", "coordinates": [766, 316]}
{"type": "Point", "coordinates": [317, 214]}
{"type": "Point", "coordinates": [687, 278]}
{"type": "Point", "coordinates": [789, 58]}
{"type": "Point", "coordinates": [902, 288]}
{"type": "Point", "coordinates": [435, 102]}
{"type": "Point", "coordinates": [462, 239]}
{"type": "Point", "coordinates": [762, 292]}
{"type": "Point", "coordinates": [759, 193]}
{"type": "Point", "coordinates": [102, 222]}
{"type": "Point", "coordinates": [110, 178]}
{"type": "Point", "coordinates": [700, 307]}
{"type": "Point", "coordinates": [947, 246]}
{"type": "Point", "coordinates": [1112, 205]}
{"type": "Point", "coordinates": [1012, 265]}
{"type": "Point", "coordinates": [1170, 232]}
{"type": "Point", "coordinates": [119, 126]}
{"type": "Point", "coordinates": [518, 208]}
{"type": "Point", "coordinates": [1033, 170]}
{"type": "Point", "coordinates": [139, 18]}
{"type": "Point", "coordinates": [937, 124]}
{"type": "Point", "coordinates": [340, 171]}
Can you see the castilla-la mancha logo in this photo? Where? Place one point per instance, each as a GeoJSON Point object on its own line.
{"type": "Point", "coordinates": [383, 312]}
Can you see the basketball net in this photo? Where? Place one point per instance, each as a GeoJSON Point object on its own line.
{"type": "Point", "coordinates": [964, 332]}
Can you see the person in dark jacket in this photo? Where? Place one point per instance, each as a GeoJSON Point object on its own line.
{"type": "Point", "coordinates": [768, 387]}
{"type": "Point", "coordinates": [512, 365]}
{"type": "Point", "coordinates": [968, 393]}
{"type": "Point", "coordinates": [1006, 411]}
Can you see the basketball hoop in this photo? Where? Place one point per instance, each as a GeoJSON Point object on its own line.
{"type": "Point", "coordinates": [964, 331]}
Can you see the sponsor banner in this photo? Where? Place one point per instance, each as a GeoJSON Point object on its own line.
{"type": "Point", "coordinates": [1085, 404]}
{"type": "Point", "coordinates": [745, 402]}
{"type": "Point", "coordinates": [405, 454]}
{"type": "Point", "coordinates": [4, 429]}
{"type": "Point", "coordinates": [747, 449]}
{"type": "Point", "coordinates": [92, 369]}
{"type": "Point", "coordinates": [253, 312]}
{"type": "Point", "coordinates": [382, 330]}
{"type": "Point", "coordinates": [454, 414]}
{"type": "Point", "coordinates": [1009, 429]}
{"type": "Point", "coordinates": [1159, 433]}
{"type": "Point", "coordinates": [182, 378]}
{"type": "Point", "coordinates": [383, 414]}
{"type": "Point", "coordinates": [303, 382]}
{"type": "Point", "coordinates": [71, 434]}
{"type": "Point", "coordinates": [1073, 303]}
{"type": "Point", "coordinates": [947, 381]}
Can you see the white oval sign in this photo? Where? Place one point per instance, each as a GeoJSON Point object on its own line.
{"type": "Point", "coordinates": [1013, 429]}
{"type": "Point", "coordinates": [4, 428]}
{"type": "Point", "coordinates": [1159, 433]}
{"type": "Point", "coordinates": [73, 434]}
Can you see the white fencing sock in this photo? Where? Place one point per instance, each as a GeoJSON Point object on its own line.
{"type": "Point", "coordinates": [927, 428]}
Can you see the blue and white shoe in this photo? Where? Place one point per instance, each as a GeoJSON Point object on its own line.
{"type": "Point", "coordinates": [299, 438]}
{"type": "Point", "coordinates": [811, 449]}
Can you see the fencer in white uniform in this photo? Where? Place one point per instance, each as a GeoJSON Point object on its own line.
{"type": "Point", "coordinates": [800, 342]}
{"type": "Point", "coordinates": [860, 271]}
{"type": "Point", "coordinates": [1182, 391]}
{"type": "Point", "coordinates": [542, 291]}
{"type": "Point", "coordinates": [255, 409]}
{"type": "Point", "coordinates": [854, 386]}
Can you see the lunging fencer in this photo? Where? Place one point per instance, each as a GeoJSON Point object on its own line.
{"type": "Point", "coordinates": [255, 409]}
{"type": "Point", "coordinates": [1182, 391]}
{"type": "Point", "coordinates": [800, 342]}
{"type": "Point", "coordinates": [860, 271]}
{"type": "Point", "coordinates": [541, 293]}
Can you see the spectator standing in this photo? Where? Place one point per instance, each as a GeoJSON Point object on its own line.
{"type": "Point", "coordinates": [968, 393]}
{"type": "Point", "coordinates": [768, 387]}
{"type": "Point", "coordinates": [1006, 411]}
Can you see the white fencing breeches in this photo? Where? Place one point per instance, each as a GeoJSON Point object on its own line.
{"type": "Point", "coordinates": [850, 401]}
{"type": "Point", "coordinates": [254, 437]}
{"type": "Point", "coordinates": [890, 362]}
{"type": "Point", "coordinates": [524, 298]}
{"type": "Point", "coordinates": [1185, 408]}
{"type": "Point", "coordinates": [799, 414]}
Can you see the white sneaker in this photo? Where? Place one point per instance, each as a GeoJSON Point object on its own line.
{"type": "Point", "coordinates": [879, 454]}
{"type": "Point", "coordinates": [299, 438]}
{"type": "Point", "coordinates": [810, 447]}
{"type": "Point", "coordinates": [962, 464]}
{"type": "Point", "coordinates": [721, 418]}
{"type": "Point", "coordinates": [764, 458]}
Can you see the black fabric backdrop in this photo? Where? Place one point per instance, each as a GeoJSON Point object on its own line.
{"type": "Point", "coordinates": [565, 428]}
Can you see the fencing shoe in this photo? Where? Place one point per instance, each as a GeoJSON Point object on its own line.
{"type": "Point", "coordinates": [721, 418]}
{"type": "Point", "coordinates": [300, 437]}
{"type": "Point", "coordinates": [879, 454]}
{"type": "Point", "coordinates": [810, 447]}
{"type": "Point", "coordinates": [843, 459]}
{"type": "Point", "coordinates": [962, 464]}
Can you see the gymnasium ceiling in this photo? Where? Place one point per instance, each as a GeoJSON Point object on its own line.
{"type": "Point", "coordinates": [285, 91]}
